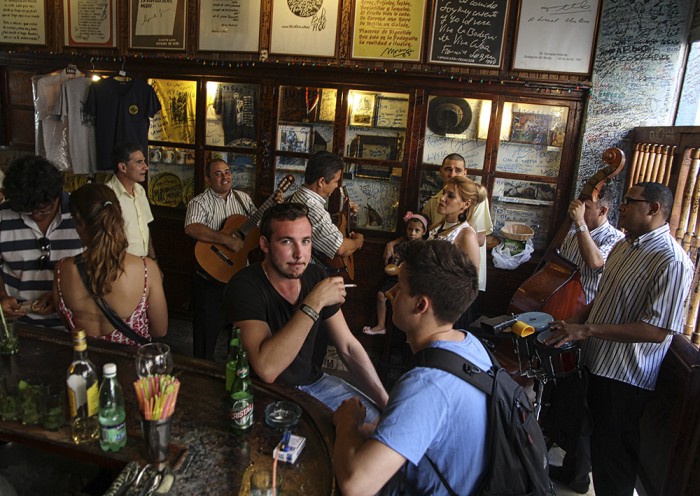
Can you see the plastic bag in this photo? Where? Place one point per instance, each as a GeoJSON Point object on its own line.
{"type": "Point", "coordinates": [504, 260]}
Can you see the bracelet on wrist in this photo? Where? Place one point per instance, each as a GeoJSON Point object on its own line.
{"type": "Point", "coordinates": [310, 312]}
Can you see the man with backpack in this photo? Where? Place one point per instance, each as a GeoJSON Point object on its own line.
{"type": "Point", "coordinates": [439, 431]}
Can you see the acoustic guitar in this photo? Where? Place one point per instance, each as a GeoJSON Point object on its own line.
{"type": "Point", "coordinates": [219, 261]}
{"type": "Point", "coordinates": [340, 265]}
{"type": "Point", "coordinates": [555, 288]}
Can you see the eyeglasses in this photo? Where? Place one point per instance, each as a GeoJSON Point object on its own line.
{"type": "Point", "coordinates": [44, 245]}
{"type": "Point", "coordinates": [627, 200]}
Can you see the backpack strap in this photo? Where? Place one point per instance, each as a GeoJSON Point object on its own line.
{"type": "Point", "coordinates": [455, 364]}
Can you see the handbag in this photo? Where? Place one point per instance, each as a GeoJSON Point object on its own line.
{"type": "Point", "coordinates": [108, 312]}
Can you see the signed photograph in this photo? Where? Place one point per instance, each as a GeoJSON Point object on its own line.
{"type": "Point", "coordinates": [157, 24]}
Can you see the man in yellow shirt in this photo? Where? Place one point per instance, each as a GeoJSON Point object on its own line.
{"type": "Point", "coordinates": [130, 168]}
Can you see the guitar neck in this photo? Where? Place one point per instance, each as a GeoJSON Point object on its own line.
{"type": "Point", "coordinates": [254, 219]}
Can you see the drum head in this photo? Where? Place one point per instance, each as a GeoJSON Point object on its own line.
{"type": "Point", "coordinates": [544, 335]}
{"type": "Point", "coordinates": [539, 320]}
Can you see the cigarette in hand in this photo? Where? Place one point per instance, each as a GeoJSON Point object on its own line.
{"type": "Point", "coordinates": [350, 285]}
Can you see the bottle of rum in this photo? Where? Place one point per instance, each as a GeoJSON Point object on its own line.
{"type": "Point", "coordinates": [83, 395]}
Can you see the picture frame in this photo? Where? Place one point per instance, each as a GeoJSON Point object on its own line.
{"type": "Point", "coordinates": [304, 28]}
{"type": "Point", "coordinates": [554, 37]}
{"type": "Point", "coordinates": [374, 41]}
{"type": "Point", "coordinates": [373, 172]}
{"type": "Point", "coordinates": [226, 26]}
{"type": "Point", "coordinates": [296, 139]}
{"type": "Point", "coordinates": [326, 108]}
{"type": "Point", "coordinates": [362, 111]}
{"type": "Point", "coordinates": [473, 38]}
{"type": "Point", "coordinates": [23, 22]}
{"type": "Point", "coordinates": [530, 128]}
{"type": "Point", "coordinates": [392, 113]}
{"type": "Point", "coordinates": [377, 147]}
{"type": "Point", "coordinates": [157, 24]}
{"type": "Point", "coordinates": [90, 24]}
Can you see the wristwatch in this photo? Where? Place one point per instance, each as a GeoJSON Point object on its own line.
{"type": "Point", "coordinates": [581, 228]}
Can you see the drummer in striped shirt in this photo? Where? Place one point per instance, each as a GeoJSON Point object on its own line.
{"type": "Point", "coordinates": [628, 329]}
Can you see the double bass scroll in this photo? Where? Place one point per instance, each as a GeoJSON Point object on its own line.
{"type": "Point", "coordinates": [555, 287]}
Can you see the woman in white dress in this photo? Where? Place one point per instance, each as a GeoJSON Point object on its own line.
{"type": "Point", "coordinates": [460, 196]}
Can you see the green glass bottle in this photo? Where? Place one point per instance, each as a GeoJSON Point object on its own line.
{"type": "Point", "coordinates": [232, 357]}
{"type": "Point", "coordinates": [242, 396]}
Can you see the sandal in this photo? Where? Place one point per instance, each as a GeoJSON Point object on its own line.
{"type": "Point", "coordinates": [368, 330]}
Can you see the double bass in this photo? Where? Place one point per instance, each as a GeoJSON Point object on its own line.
{"type": "Point", "coordinates": [555, 287]}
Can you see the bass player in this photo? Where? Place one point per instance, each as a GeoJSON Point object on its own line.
{"type": "Point", "coordinates": [206, 214]}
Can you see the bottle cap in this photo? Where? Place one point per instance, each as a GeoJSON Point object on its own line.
{"type": "Point", "coordinates": [109, 369]}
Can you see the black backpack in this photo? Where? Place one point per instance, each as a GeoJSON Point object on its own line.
{"type": "Point", "coordinates": [516, 462]}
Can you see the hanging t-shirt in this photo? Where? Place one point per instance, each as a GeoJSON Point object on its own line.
{"type": "Point", "coordinates": [176, 121]}
{"type": "Point", "coordinates": [81, 125]}
{"type": "Point", "coordinates": [121, 110]}
{"type": "Point", "coordinates": [236, 104]}
{"type": "Point", "coordinates": [51, 140]}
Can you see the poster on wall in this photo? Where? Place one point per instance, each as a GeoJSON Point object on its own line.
{"type": "Point", "coordinates": [304, 27]}
{"type": "Point", "coordinates": [90, 24]}
{"type": "Point", "coordinates": [229, 25]}
{"type": "Point", "coordinates": [468, 33]}
{"type": "Point", "coordinates": [23, 22]}
{"type": "Point", "coordinates": [556, 37]}
{"type": "Point", "coordinates": [157, 24]}
{"type": "Point", "coordinates": [388, 30]}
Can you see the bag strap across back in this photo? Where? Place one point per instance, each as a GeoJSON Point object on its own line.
{"type": "Point", "coordinates": [455, 364]}
{"type": "Point", "coordinates": [108, 312]}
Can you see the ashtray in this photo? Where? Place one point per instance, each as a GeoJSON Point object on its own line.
{"type": "Point", "coordinates": [282, 415]}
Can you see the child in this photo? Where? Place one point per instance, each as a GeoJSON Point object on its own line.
{"type": "Point", "coordinates": [416, 228]}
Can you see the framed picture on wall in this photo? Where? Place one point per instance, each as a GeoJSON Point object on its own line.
{"type": "Point", "coordinates": [23, 22]}
{"type": "Point", "coordinates": [90, 24]}
{"type": "Point", "coordinates": [294, 139]}
{"type": "Point", "coordinates": [304, 27]}
{"type": "Point", "coordinates": [556, 37]}
{"type": "Point", "coordinates": [377, 147]}
{"type": "Point", "coordinates": [157, 24]}
{"type": "Point", "coordinates": [530, 128]}
{"type": "Point", "coordinates": [226, 26]}
{"type": "Point", "coordinates": [398, 37]}
{"type": "Point", "coordinates": [392, 113]}
{"type": "Point", "coordinates": [362, 111]}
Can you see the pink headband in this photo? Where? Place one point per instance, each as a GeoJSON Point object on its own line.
{"type": "Point", "coordinates": [410, 215]}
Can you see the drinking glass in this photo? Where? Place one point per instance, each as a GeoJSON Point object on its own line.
{"type": "Point", "coordinates": [9, 340]}
{"type": "Point", "coordinates": [32, 401]}
{"type": "Point", "coordinates": [153, 359]}
{"type": "Point", "coordinates": [261, 483]}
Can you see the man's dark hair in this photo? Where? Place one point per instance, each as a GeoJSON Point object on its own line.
{"type": "Point", "coordinates": [207, 167]}
{"type": "Point", "coordinates": [122, 153]}
{"type": "Point", "coordinates": [32, 182]}
{"type": "Point", "coordinates": [454, 156]}
{"type": "Point", "coordinates": [657, 192]}
{"type": "Point", "coordinates": [324, 165]}
{"type": "Point", "coordinates": [281, 211]}
{"type": "Point", "coordinates": [442, 272]}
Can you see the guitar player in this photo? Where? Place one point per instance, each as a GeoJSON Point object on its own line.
{"type": "Point", "coordinates": [206, 214]}
{"type": "Point", "coordinates": [323, 172]}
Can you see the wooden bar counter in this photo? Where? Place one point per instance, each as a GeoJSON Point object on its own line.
{"type": "Point", "coordinates": [206, 456]}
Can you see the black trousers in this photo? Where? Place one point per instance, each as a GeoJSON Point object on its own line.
{"type": "Point", "coordinates": [616, 408]}
{"type": "Point", "coordinates": [208, 316]}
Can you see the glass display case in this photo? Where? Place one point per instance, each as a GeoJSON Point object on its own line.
{"type": "Point", "coordinates": [530, 147]}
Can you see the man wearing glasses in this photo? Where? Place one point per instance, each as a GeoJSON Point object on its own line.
{"type": "Point", "coordinates": [627, 331]}
{"type": "Point", "coordinates": [36, 230]}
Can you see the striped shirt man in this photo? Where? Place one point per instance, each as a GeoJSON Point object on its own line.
{"type": "Point", "coordinates": [28, 256]}
{"type": "Point", "coordinates": [646, 279]}
{"type": "Point", "coordinates": [210, 209]}
{"type": "Point", "coordinates": [605, 237]}
{"type": "Point", "coordinates": [326, 237]}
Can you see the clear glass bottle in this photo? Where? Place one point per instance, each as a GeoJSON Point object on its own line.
{"type": "Point", "coordinates": [81, 380]}
{"type": "Point", "coordinates": [232, 357]}
{"type": "Point", "coordinates": [242, 396]}
{"type": "Point", "coordinates": [112, 414]}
